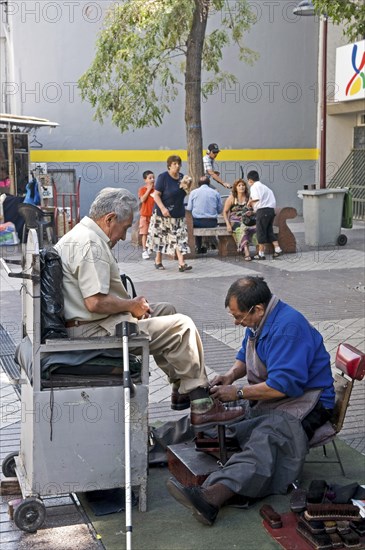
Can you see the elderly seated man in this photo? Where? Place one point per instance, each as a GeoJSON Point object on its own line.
{"type": "Point", "coordinates": [95, 301]}
{"type": "Point", "coordinates": [205, 204]}
{"type": "Point", "coordinates": [289, 395]}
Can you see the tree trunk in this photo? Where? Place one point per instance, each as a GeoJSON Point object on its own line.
{"type": "Point", "coordinates": [193, 90]}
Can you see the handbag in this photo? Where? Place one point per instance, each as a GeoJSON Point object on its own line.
{"type": "Point", "coordinates": [248, 220]}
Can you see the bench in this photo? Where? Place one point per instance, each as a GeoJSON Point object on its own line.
{"type": "Point", "coordinates": [72, 435]}
{"type": "Point", "coordinates": [226, 242]}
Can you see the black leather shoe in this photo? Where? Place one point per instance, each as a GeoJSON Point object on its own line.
{"type": "Point", "coordinates": [179, 401]}
{"type": "Point", "coordinates": [192, 498]}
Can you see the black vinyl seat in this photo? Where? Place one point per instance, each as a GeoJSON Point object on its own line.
{"type": "Point", "coordinates": [35, 218]}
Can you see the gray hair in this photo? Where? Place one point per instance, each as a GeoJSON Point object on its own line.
{"type": "Point", "coordinates": [112, 199]}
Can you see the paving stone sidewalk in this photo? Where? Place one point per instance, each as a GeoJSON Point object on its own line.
{"type": "Point", "coordinates": [327, 285]}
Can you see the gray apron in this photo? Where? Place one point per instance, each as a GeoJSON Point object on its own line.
{"type": "Point", "coordinates": [299, 407]}
{"type": "Point", "coordinates": [272, 441]}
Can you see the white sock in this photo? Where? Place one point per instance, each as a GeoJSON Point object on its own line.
{"type": "Point", "coordinates": [278, 249]}
{"type": "Point", "coordinates": [261, 253]}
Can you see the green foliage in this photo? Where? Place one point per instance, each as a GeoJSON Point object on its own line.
{"type": "Point", "coordinates": [350, 13]}
{"type": "Point", "coordinates": [140, 57]}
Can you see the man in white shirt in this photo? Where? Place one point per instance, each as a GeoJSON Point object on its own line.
{"type": "Point", "coordinates": [209, 167]}
{"type": "Point", "coordinates": [262, 200]}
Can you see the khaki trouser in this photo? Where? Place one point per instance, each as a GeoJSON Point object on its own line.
{"type": "Point", "coordinates": [174, 343]}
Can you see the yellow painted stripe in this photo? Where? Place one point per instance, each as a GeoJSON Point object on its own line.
{"type": "Point", "coordinates": [160, 155]}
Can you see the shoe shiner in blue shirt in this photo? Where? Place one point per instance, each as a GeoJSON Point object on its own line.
{"type": "Point", "coordinates": [289, 395]}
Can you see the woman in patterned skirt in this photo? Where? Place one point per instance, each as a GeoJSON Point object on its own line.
{"type": "Point", "coordinates": [167, 232]}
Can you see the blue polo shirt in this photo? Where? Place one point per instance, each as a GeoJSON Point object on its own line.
{"type": "Point", "coordinates": [294, 354]}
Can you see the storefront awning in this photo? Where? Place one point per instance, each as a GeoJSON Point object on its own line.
{"type": "Point", "coordinates": [24, 123]}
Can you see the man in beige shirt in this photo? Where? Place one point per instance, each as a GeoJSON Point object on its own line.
{"type": "Point", "coordinates": [96, 301]}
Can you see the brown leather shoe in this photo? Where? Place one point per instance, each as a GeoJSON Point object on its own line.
{"type": "Point", "coordinates": [218, 414]}
{"type": "Point", "coordinates": [179, 401]}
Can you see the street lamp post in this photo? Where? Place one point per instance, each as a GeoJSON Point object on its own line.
{"type": "Point", "coordinates": [306, 8]}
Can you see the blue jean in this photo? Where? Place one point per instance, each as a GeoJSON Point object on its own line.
{"type": "Point", "coordinates": [203, 222]}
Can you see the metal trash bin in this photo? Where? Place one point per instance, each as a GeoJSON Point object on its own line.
{"type": "Point", "coordinates": [322, 212]}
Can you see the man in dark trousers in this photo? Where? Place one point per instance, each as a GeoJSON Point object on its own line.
{"type": "Point", "coordinates": [290, 394]}
{"type": "Point", "coordinates": [205, 205]}
{"type": "Point", "coordinates": [263, 202]}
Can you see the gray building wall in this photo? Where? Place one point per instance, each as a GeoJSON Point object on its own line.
{"type": "Point", "coordinates": [273, 105]}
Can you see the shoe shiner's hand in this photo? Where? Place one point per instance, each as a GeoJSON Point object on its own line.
{"type": "Point", "coordinates": [221, 380]}
{"type": "Point", "coordinates": [224, 393]}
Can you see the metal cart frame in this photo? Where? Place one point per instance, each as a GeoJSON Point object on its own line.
{"type": "Point", "coordinates": [72, 438]}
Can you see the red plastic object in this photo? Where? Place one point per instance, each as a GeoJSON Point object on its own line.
{"type": "Point", "coordinates": [351, 361]}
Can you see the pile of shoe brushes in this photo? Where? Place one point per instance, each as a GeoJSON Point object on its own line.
{"type": "Point", "coordinates": [326, 524]}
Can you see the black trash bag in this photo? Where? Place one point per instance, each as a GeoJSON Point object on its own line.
{"type": "Point", "coordinates": [169, 433]}
{"type": "Point", "coordinates": [52, 315]}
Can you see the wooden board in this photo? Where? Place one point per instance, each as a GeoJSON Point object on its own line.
{"type": "Point", "coordinates": [189, 466]}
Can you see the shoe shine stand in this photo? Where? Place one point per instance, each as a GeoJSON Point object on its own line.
{"type": "Point", "coordinates": [74, 433]}
{"type": "Point", "coordinates": [191, 468]}
{"type": "Point", "coordinates": [192, 462]}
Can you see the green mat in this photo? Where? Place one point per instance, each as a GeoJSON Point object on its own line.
{"type": "Point", "coordinates": [169, 526]}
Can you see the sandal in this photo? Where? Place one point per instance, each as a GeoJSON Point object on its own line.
{"type": "Point", "coordinates": [248, 258]}
{"type": "Point", "coordinates": [159, 266]}
{"type": "Point", "coordinates": [185, 267]}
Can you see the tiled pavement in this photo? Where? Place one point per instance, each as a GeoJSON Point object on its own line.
{"type": "Point", "coordinates": [327, 285]}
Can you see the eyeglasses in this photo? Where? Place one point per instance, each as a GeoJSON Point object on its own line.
{"type": "Point", "coordinates": [241, 318]}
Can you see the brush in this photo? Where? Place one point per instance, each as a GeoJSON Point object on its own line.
{"type": "Point", "coordinates": [315, 527]}
{"type": "Point", "coordinates": [351, 540]}
{"type": "Point", "coordinates": [332, 512]}
{"type": "Point", "coordinates": [319, 542]}
{"type": "Point", "coordinates": [272, 517]}
{"type": "Point", "coordinates": [298, 500]}
{"type": "Point", "coordinates": [336, 540]}
{"type": "Point", "coordinates": [316, 491]}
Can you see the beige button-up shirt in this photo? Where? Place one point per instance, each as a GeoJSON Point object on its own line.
{"type": "Point", "coordinates": [89, 268]}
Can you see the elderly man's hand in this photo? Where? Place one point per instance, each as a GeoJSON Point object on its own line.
{"type": "Point", "coordinates": [140, 308]}
{"type": "Point", "coordinates": [224, 393]}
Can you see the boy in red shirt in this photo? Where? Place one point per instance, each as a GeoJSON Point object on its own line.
{"type": "Point", "coordinates": [145, 195]}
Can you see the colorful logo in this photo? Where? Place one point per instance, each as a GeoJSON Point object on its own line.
{"type": "Point", "coordinates": [357, 82]}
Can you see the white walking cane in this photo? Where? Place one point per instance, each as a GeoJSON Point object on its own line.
{"type": "Point", "coordinates": [127, 330]}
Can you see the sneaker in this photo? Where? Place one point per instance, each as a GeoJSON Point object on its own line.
{"type": "Point", "coordinates": [145, 255]}
{"type": "Point", "coordinates": [217, 414]}
{"type": "Point", "coordinates": [277, 254]}
{"type": "Point", "coordinates": [193, 499]}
